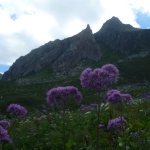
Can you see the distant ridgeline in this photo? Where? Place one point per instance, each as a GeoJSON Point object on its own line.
{"type": "Point", "coordinates": [115, 42]}
{"type": "Point", "coordinates": [0, 75]}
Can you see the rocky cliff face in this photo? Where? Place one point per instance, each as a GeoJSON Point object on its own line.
{"type": "Point", "coordinates": [60, 55]}
{"type": "Point", "coordinates": [123, 37]}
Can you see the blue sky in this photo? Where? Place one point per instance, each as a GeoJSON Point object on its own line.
{"type": "Point", "coordinates": [143, 19]}
{"type": "Point", "coordinates": [26, 24]}
{"type": "Point", "coordinates": [4, 68]}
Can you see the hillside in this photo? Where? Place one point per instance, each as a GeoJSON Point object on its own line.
{"type": "Point", "coordinates": [70, 56]}
{"type": "Point", "coordinates": [60, 63]}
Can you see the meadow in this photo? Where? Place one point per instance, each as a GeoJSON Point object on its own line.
{"type": "Point", "coordinates": [111, 120]}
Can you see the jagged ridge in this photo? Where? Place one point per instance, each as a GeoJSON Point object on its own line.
{"type": "Point", "coordinates": [61, 55]}
{"type": "Point", "coordinates": [123, 37]}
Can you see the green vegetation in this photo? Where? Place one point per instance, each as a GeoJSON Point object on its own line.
{"type": "Point", "coordinates": [42, 129]}
{"type": "Point", "coordinates": [134, 75]}
{"type": "Point", "coordinates": [45, 130]}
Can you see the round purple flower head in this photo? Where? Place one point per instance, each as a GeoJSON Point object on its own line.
{"type": "Point", "coordinates": [99, 78]}
{"type": "Point", "coordinates": [59, 94]}
{"type": "Point", "coordinates": [101, 126]}
{"type": "Point", "coordinates": [113, 97]}
{"type": "Point", "coordinates": [3, 132]}
{"type": "Point", "coordinates": [4, 123]}
{"type": "Point", "coordinates": [116, 124]}
{"type": "Point", "coordinates": [17, 110]}
{"type": "Point", "coordinates": [113, 72]}
{"type": "Point", "coordinates": [4, 137]}
{"type": "Point", "coordinates": [127, 98]}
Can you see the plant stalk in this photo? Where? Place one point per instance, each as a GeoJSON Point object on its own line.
{"type": "Point", "coordinates": [64, 130]}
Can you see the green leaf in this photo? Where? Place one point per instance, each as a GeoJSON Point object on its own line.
{"type": "Point", "coordinates": [69, 143]}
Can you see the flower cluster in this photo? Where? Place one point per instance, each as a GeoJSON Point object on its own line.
{"type": "Point", "coordinates": [114, 97]}
{"type": "Point", "coordinates": [116, 124]}
{"type": "Point", "coordinates": [99, 78]}
{"type": "Point", "coordinates": [4, 137]}
{"type": "Point", "coordinates": [101, 126]}
{"type": "Point", "coordinates": [17, 110]}
{"type": "Point", "coordinates": [88, 108]}
{"type": "Point", "coordinates": [4, 123]}
{"type": "Point", "coordinates": [127, 98]}
{"type": "Point", "coordinates": [59, 94]}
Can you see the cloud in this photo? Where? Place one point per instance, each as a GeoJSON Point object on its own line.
{"type": "Point", "coordinates": [27, 24]}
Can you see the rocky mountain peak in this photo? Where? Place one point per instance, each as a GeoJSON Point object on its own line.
{"type": "Point", "coordinates": [122, 37]}
{"type": "Point", "coordinates": [60, 55]}
{"type": "Point", "coordinates": [64, 55]}
{"type": "Point", "coordinates": [114, 24]}
{"type": "Point", "coordinates": [85, 34]}
{"type": "Point", "coordinates": [113, 21]}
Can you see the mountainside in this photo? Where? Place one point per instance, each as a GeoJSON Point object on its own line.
{"type": "Point", "coordinates": [1, 75]}
{"type": "Point", "coordinates": [70, 53]}
{"type": "Point", "coordinates": [59, 55]}
{"type": "Point", "coordinates": [123, 37]}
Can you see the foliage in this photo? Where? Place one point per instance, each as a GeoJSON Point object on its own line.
{"type": "Point", "coordinates": [46, 133]}
{"type": "Point", "coordinates": [43, 127]}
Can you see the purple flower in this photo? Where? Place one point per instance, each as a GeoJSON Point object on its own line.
{"type": "Point", "coordinates": [82, 107]}
{"type": "Point", "coordinates": [116, 124]}
{"type": "Point", "coordinates": [127, 98]}
{"type": "Point", "coordinates": [4, 137]}
{"type": "Point", "coordinates": [113, 97]}
{"type": "Point", "coordinates": [101, 126]}
{"type": "Point", "coordinates": [135, 134]}
{"type": "Point", "coordinates": [93, 105]}
{"type": "Point", "coordinates": [59, 94]}
{"type": "Point", "coordinates": [88, 108]}
{"type": "Point", "coordinates": [99, 78]}
{"type": "Point", "coordinates": [3, 132]}
{"type": "Point", "coordinates": [44, 111]}
{"type": "Point", "coordinates": [113, 72]}
{"type": "Point", "coordinates": [4, 123]}
{"type": "Point", "coordinates": [17, 110]}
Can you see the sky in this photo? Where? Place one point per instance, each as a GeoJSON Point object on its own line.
{"type": "Point", "coordinates": [28, 24]}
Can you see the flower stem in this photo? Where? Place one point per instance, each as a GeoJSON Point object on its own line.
{"type": "Point", "coordinates": [98, 121]}
{"type": "Point", "coordinates": [64, 130]}
{"type": "Point", "coordinates": [12, 125]}
{"type": "Point", "coordinates": [3, 145]}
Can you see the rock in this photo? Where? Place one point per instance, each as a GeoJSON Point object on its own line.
{"type": "Point", "coordinates": [59, 55]}
{"type": "Point", "coordinates": [64, 56]}
{"type": "Point", "coordinates": [122, 37]}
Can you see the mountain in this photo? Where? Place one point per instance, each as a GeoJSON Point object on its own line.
{"type": "Point", "coordinates": [1, 75]}
{"type": "Point", "coordinates": [70, 55]}
{"type": "Point", "coordinates": [123, 37]}
{"type": "Point", "coordinates": [59, 55]}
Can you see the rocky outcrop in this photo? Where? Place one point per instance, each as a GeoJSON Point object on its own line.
{"type": "Point", "coordinates": [59, 55]}
{"type": "Point", "coordinates": [65, 55]}
{"type": "Point", "coordinates": [82, 45]}
{"type": "Point", "coordinates": [123, 37]}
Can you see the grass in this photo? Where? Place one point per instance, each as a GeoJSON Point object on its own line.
{"type": "Point", "coordinates": [81, 129]}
